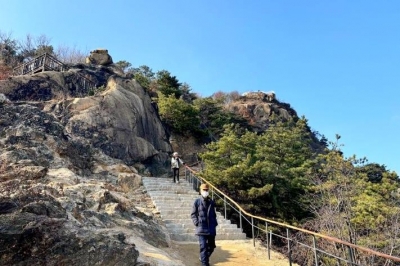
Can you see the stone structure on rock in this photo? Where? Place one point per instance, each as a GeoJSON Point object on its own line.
{"type": "Point", "coordinates": [260, 95]}
{"type": "Point", "coordinates": [99, 57]}
{"type": "Point", "coordinates": [257, 107]}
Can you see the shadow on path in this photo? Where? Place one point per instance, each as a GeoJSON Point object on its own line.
{"type": "Point", "coordinates": [231, 253]}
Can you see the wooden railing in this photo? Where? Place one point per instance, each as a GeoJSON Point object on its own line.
{"type": "Point", "coordinates": [47, 62]}
{"type": "Point", "coordinates": [346, 252]}
{"type": "Point", "coordinates": [44, 62]}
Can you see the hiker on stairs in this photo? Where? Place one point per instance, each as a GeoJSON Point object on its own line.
{"type": "Point", "coordinates": [176, 163]}
{"type": "Point", "coordinates": [204, 218]}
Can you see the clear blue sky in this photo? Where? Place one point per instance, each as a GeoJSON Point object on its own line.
{"type": "Point", "coordinates": [335, 62]}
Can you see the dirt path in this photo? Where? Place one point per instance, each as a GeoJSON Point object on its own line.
{"type": "Point", "coordinates": [231, 253]}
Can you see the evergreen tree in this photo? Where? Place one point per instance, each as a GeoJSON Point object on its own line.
{"type": "Point", "coordinates": [124, 65]}
{"type": "Point", "coordinates": [9, 48]}
{"type": "Point", "coordinates": [268, 172]}
{"type": "Point", "coordinates": [179, 115]}
{"type": "Point", "coordinates": [144, 75]}
{"type": "Point", "coordinates": [168, 84]}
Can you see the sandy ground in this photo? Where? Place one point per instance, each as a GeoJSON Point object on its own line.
{"type": "Point", "coordinates": [230, 253]}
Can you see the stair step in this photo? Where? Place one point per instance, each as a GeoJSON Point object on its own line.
{"type": "Point", "coordinates": [171, 214]}
{"type": "Point", "coordinates": [177, 204]}
{"type": "Point", "coordinates": [193, 238]}
{"type": "Point", "coordinates": [184, 214]}
{"type": "Point", "coordinates": [192, 230]}
{"type": "Point", "coordinates": [183, 226]}
{"type": "Point", "coordinates": [185, 221]}
{"type": "Point", "coordinates": [181, 197]}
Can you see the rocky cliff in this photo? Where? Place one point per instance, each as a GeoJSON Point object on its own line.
{"type": "Point", "coordinates": [71, 166]}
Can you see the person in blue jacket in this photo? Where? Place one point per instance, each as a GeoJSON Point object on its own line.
{"type": "Point", "coordinates": [204, 218]}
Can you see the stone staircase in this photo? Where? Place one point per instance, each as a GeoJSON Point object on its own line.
{"type": "Point", "coordinates": [175, 201]}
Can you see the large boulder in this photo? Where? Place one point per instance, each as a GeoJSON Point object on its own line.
{"type": "Point", "coordinates": [99, 57]}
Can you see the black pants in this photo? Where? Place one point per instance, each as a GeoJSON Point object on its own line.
{"type": "Point", "coordinates": [175, 172]}
{"type": "Point", "coordinates": [207, 246]}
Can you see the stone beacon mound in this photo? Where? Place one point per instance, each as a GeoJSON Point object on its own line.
{"type": "Point", "coordinates": [99, 57]}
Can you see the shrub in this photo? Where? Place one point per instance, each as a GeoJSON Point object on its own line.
{"type": "Point", "coordinates": [178, 114]}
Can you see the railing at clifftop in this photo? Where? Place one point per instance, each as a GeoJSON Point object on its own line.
{"type": "Point", "coordinates": [44, 62]}
{"type": "Point", "coordinates": [316, 244]}
{"type": "Point", "coordinates": [47, 62]}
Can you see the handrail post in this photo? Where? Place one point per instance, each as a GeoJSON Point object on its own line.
{"type": "Point", "coordinates": [267, 240]}
{"type": "Point", "coordinates": [270, 242]}
{"type": "Point", "coordinates": [315, 251]}
{"type": "Point", "coordinates": [44, 62]}
{"type": "Point", "coordinates": [225, 206]}
{"type": "Point", "coordinates": [192, 180]}
{"type": "Point", "coordinates": [289, 249]}
{"type": "Point", "coordinates": [240, 220]}
{"type": "Point", "coordinates": [252, 231]}
{"type": "Point", "coordinates": [351, 256]}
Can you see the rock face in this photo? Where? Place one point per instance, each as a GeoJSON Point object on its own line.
{"type": "Point", "coordinates": [71, 166]}
{"type": "Point", "coordinates": [99, 57]}
{"type": "Point", "coordinates": [118, 119]}
{"type": "Point", "coordinates": [56, 244]}
{"type": "Point", "coordinates": [257, 108]}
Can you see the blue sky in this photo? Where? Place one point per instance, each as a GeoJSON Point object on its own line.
{"type": "Point", "coordinates": [335, 62]}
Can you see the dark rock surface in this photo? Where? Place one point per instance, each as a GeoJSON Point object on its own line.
{"type": "Point", "coordinates": [70, 191]}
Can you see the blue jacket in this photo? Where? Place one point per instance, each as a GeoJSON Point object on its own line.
{"type": "Point", "coordinates": [204, 216]}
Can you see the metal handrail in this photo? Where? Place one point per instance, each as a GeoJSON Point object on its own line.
{"type": "Point", "coordinates": [194, 178]}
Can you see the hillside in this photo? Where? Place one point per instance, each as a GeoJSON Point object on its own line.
{"type": "Point", "coordinates": [71, 167]}
{"type": "Point", "coordinates": [76, 144]}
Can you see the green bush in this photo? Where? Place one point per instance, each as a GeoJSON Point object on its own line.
{"type": "Point", "coordinates": [178, 114]}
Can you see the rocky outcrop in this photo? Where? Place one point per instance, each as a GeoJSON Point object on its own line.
{"type": "Point", "coordinates": [99, 57]}
{"type": "Point", "coordinates": [66, 219]}
{"type": "Point", "coordinates": [257, 108]}
{"type": "Point", "coordinates": [70, 170]}
{"type": "Point", "coordinates": [41, 240]}
{"type": "Point", "coordinates": [118, 118]}
{"type": "Point", "coordinates": [121, 122]}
